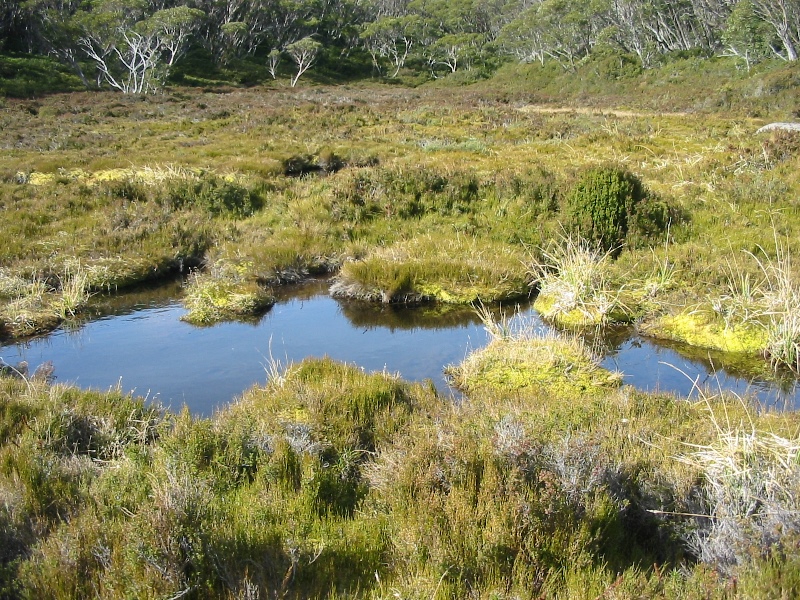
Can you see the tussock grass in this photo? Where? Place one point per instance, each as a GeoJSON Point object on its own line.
{"type": "Point", "coordinates": [34, 306]}
{"type": "Point", "coordinates": [222, 292]}
{"type": "Point", "coordinates": [757, 315]}
{"type": "Point", "coordinates": [576, 287]}
{"type": "Point", "coordinates": [748, 497]}
{"type": "Point", "coordinates": [531, 358]}
{"type": "Point", "coordinates": [73, 287]}
{"type": "Point", "coordinates": [462, 270]}
{"type": "Point", "coordinates": [782, 299]}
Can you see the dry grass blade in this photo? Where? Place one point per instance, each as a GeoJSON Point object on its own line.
{"type": "Point", "coordinates": [575, 286]}
{"type": "Point", "coordinates": [749, 499]}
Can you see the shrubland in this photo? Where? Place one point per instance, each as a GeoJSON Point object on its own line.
{"type": "Point", "coordinates": [329, 482]}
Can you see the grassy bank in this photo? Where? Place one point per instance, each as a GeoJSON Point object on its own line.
{"type": "Point", "coordinates": [327, 482]}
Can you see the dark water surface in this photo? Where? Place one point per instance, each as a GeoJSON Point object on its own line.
{"type": "Point", "coordinates": [137, 341]}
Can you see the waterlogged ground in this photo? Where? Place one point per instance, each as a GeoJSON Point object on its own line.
{"type": "Point", "coordinates": [138, 342]}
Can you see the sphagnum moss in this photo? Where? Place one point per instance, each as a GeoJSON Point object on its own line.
{"type": "Point", "coordinates": [557, 364]}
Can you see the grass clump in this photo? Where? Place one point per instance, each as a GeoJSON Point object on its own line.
{"type": "Point", "coordinates": [216, 195]}
{"type": "Point", "coordinates": [454, 271]}
{"type": "Point", "coordinates": [221, 294]}
{"type": "Point", "coordinates": [748, 497]}
{"type": "Point", "coordinates": [37, 305]}
{"type": "Point", "coordinates": [558, 364]}
{"type": "Point", "coordinates": [328, 482]}
{"type": "Point", "coordinates": [577, 289]}
{"type": "Point", "coordinates": [757, 316]}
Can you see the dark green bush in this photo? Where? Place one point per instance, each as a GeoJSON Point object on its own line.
{"type": "Point", "coordinates": [329, 161]}
{"type": "Point", "coordinates": [216, 195]}
{"type": "Point", "coordinates": [651, 218]}
{"type": "Point", "coordinates": [299, 164]}
{"type": "Point", "coordinates": [602, 203]}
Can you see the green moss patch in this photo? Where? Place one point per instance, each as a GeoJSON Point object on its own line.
{"type": "Point", "coordinates": [582, 316]}
{"type": "Point", "coordinates": [213, 300]}
{"type": "Point", "coordinates": [699, 329]}
{"type": "Point", "coordinates": [558, 365]}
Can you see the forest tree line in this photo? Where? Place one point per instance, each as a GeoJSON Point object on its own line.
{"type": "Point", "coordinates": [131, 45]}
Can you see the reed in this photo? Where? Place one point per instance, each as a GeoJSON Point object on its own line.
{"type": "Point", "coordinates": [576, 288]}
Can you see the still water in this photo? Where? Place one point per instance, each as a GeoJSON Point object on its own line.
{"type": "Point", "coordinates": [137, 341]}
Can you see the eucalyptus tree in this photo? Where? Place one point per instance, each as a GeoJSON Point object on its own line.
{"type": "Point", "coordinates": [273, 60]}
{"type": "Point", "coordinates": [566, 30]}
{"type": "Point", "coordinates": [13, 23]}
{"type": "Point", "coordinates": [387, 8]}
{"type": "Point", "coordinates": [133, 51]}
{"type": "Point", "coordinates": [303, 52]}
{"type": "Point", "coordinates": [746, 36]}
{"type": "Point", "coordinates": [521, 38]}
{"type": "Point", "coordinates": [341, 22]}
{"type": "Point", "coordinates": [671, 24]}
{"type": "Point", "coordinates": [712, 18]}
{"type": "Point", "coordinates": [390, 40]}
{"type": "Point", "coordinates": [454, 50]}
{"type": "Point", "coordinates": [230, 26]}
{"type": "Point", "coordinates": [625, 30]}
{"type": "Point", "coordinates": [56, 29]}
{"type": "Point", "coordinates": [784, 17]}
{"type": "Point", "coordinates": [451, 33]}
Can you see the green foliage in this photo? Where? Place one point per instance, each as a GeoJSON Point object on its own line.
{"type": "Point", "coordinates": [404, 194]}
{"type": "Point", "coordinates": [27, 76]}
{"type": "Point", "coordinates": [311, 484]}
{"type": "Point", "coordinates": [602, 204]}
{"type": "Point", "coordinates": [216, 195]}
{"type": "Point", "coordinates": [330, 482]}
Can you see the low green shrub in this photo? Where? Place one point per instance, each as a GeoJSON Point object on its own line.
{"type": "Point", "coordinates": [217, 195]}
{"type": "Point", "coordinates": [601, 206]}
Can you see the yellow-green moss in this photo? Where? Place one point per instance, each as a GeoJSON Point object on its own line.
{"type": "Point", "coordinates": [561, 366]}
{"type": "Point", "coordinates": [584, 315]}
{"type": "Point", "coordinates": [700, 329]}
{"type": "Point", "coordinates": [213, 300]}
{"type": "Point", "coordinates": [470, 294]}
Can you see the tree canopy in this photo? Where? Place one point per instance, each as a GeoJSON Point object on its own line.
{"type": "Point", "coordinates": [131, 45]}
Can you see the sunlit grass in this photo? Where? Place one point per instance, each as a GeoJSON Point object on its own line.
{"type": "Point", "coordinates": [756, 313]}
{"type": "Point", "coordinates": [576, 287]}
{"type": "Point", "coordinates": [458, 270]}
{"type": "Point", "coordinates": [529, 356]}
{"type": "Point", "coordinates": [73, 289]}
{"type": "Point", "coordinates": [223, 293]}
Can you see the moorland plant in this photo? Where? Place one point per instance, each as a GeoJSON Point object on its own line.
{"type": "Point", "coordinates": [329, 482]}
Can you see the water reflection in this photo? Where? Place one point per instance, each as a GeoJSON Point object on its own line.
{"type": "Point", "coordinates": [138, 341]}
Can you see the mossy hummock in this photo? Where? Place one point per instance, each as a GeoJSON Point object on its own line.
{"type": "Point", "coordinates": [215, 300]}
{"type": "Point", "coordinates": [559, 365]}
{"type": "Point", "coordinates": [701, 329]}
